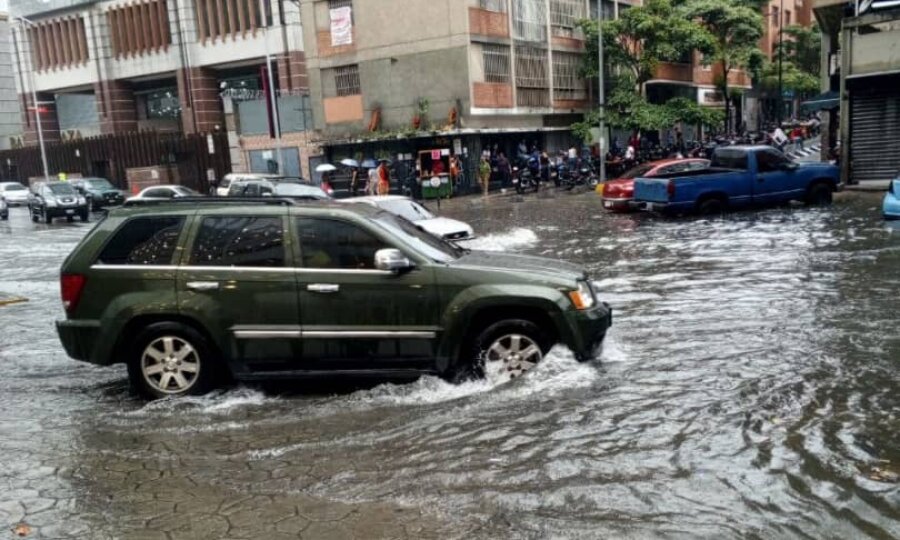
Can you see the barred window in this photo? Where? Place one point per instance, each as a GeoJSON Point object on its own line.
{"type": "Point", "coordinates": [532, 77]}
{"type": "Point", "coordinates": [496, 63]}
{"type": "Point", "coordinates": [346, 80]}
{"type": "Point", "coordinates": [566, 13]}
{"type": "Point", "coordinates": [567, 83]}
{"type": "Point", "coordinates": [530, 20]}
{"type": "Point", "coordinates": [493, 5]}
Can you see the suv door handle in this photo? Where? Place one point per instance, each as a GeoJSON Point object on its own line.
{"type": "Point", "coordinates": [324, 288]}
{"type": "Point", "coordinates": [202, 285]}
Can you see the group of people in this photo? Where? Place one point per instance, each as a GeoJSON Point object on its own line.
{"type": "Point", "coordinates": [374, 180]}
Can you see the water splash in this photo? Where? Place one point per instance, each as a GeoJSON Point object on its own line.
{"type": "Point", "coordinates": [517, 239]}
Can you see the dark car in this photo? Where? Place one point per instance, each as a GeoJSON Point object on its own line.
{"type": "Point", "coordinates": [4, 210]}
{"type": "Point", "coordinates": [99, 192]}
{"type": "Point", "coordinates": [51, 200]}
{"type": "Point", "coordinates": [194, 292]}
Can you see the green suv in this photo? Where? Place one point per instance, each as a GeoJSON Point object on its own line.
{"type": "Point", "coordinates": [194, 292]}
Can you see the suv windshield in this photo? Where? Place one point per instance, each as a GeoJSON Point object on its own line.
{"type": "Point", "coordinates": [61, 189]}
{"type": "Point", "coordinates": [99, 183]}
{"type": "Point", "coordinates": [410, 210]}
{"type": "Point", "coordinates": [429, 245]}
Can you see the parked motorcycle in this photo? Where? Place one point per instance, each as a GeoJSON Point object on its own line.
{"type": "Point", "coordinates": [523, 180]}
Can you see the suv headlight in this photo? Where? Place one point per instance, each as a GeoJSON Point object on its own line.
{"type": "Point", "coordinates": [81, 200]}
{"type": "Point", "coordinates": [49, 201]}
{"type": "Point", "coordinates": [583, 296]}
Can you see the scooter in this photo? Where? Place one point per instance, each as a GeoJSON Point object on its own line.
{"type": "Point", "coordinates": [524, 180]}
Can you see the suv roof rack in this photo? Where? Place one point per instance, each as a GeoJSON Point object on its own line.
{"type": "Point", "coordinates": [276, 201]}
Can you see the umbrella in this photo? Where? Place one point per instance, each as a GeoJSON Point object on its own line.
{"type": "Point", "coordinates": [326, 167]}
{"type": "Point", "coordinates": [385, 160]}
{"type": "Point", "coordinates": [349, 162]}
{"type": "Point", "coordinates": [369, 163]}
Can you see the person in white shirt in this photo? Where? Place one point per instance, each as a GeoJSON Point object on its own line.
{"type": "Point", "coordinates": [372, 184]}
{"type": "Point", "coordinates": [779, 138]}
{"type": "Point", "coordinates": [629, 152]}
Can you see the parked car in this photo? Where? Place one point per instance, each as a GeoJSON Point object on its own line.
{"type": "Point", "coordinates": [14, 193]}
{"type": "Point", "coordinates": [4, 210]}
{"type": "Point", "coordinates": [51, 200]}
{"type": "Point", "coordinates": [189, 295]}
{"type": "Point", "coordinates": [891, 205]}
{"type": "Point", "coordinates": [162, 193]}
{"type": "Point", "coordinates": [274, 188]}
{"type": "Point", "coordinates": [446, 228]}
{"type": "Point", "coordinates": [617, 194]}
{"type": "Point", "coordinates": [99, 192]}
{"type": "Point", "coordinates": [738, 177]}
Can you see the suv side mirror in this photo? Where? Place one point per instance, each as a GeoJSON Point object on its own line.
{"type": "Point", "coordinates": [392, 260]}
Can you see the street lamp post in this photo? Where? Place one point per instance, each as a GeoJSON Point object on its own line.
{"type": "Point", "coordinates": [600, 93]}
{"type": "Point", "coordinates": [780, 60]}
{"type": "Point", "coordinates": [35, 104]}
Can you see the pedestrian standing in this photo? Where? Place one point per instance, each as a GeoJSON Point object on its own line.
{"type": "Point", "coordinates": [454, 172]}
{"type": "Point", "coordinates": [484, 171]}
{"type": "Point", "coordinates": [384, 179]}
{"type": "Point", "coordinates": [503, 169]}
{"type": "Point", "coordinates": [354, 181]}
{"type": "Point", "coordinates": [372, 184]}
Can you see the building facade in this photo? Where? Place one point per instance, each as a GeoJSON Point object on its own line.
{"type": "Point", "coordinates": [861, 67]}
{"type": "Point", "coordinates": [192, 66]}
{"type": "Point", "coordinates": [10, 125]}
{"type": "Point", "coordinates": [448, 66]}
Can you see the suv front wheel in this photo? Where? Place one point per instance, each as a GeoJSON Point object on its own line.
{"type": "Point", "coordinates": [505, 350]}
{"type": "Point", "coordinates": [171, 359]}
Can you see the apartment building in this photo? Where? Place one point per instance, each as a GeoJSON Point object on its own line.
{"type": "Point", "coordinates": [10, 127]}
{"type": "Point", "coordinates": [112, 67]}
{"type": "Point", "coordinates": [455, 74]}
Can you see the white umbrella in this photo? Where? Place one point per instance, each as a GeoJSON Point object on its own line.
{"type": "Point", "coordinates": [326, 167]}
{"type": "Point", "coordinates": [349, 162]}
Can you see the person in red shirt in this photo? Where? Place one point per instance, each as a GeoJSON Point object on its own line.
{"type": "Point", "coordinates": [384, 179]}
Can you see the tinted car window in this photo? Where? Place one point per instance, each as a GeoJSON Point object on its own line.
{"type": "Point", "coordinates": [143, 241]}
{"type": "Point", "coordinates": [239, 241]}
{"type": "Point", "coordinates": [61, 189]}
{"type": "Point", "coordinates": [730, 159]}
{"type": "Point", "coordinates": [14, 187]}
{"type": "Point", "coordinates": [328, 243]}
{"type": "Point", "coordinates": [769, 160]}
{"type": "Point", "coordinates": [161, 193]}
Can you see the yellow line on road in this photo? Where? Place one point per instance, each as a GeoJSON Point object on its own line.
{"type": "Point", "coordinates": [9, 301]}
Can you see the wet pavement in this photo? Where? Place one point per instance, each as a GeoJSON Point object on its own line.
{"type": "Point", "coordinates": [749, 389]}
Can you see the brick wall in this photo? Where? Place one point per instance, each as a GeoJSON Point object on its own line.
{"type": "Point", "coordinates": [202, 113]}
{"type": "Point", "coordinates": [323, 43]}
{"type": "Point", "coordinates": [292, 71]}
{"type": "Point", "coordinates": [116, 107]}
{"type": "Point", "coordinates": [492, 95]}
{"type": "Point", "coordinates": [488, 23]}
{"type": "Point", "coordinates": [674, 72]}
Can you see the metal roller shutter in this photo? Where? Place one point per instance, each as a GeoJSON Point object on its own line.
{"type": "Point", "coordinates": [874, 130]}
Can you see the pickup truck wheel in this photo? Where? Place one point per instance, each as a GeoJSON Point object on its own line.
{"type": "Point", "coordinates": [711, 207]}
{"type": "Point", "coordinates": [171, 359]}
{"type": "Point", "coordinates": [819, 194]}
{"type": "Point", "coordinates": [508, 348]}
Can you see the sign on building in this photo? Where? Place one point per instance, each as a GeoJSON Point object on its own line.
{"type": "Point", "coordinates": [341, 26]}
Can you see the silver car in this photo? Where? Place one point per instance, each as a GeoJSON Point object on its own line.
{"type": "Point", "coordinates": [14, 193]}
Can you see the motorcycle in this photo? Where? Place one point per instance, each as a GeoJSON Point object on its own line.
{"type": "Point", "coordinates": [524, 180]}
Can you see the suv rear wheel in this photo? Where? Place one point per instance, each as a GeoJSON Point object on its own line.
{"type": "Point", "coordinates": [508, 348]}
{"type": "Point", "coordinates": [171, 359]}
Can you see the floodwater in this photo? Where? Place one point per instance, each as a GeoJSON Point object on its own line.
{"type": "Point", "coordinates": [749, 389]}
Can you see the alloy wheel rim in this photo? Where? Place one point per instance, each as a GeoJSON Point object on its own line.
{"type": "Point", "coordinates": [512, 355]}
{"type": "Point", "coordinates": [170, 365]}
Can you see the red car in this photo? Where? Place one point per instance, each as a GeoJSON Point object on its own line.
{"type": "Point", "coordinates": [617, 194]}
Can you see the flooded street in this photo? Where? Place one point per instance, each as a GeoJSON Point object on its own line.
{"type": "Point", "coordinates": [748, 389]}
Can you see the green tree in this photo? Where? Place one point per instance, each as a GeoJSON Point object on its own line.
{"type": "Point", "coordinates": [802, 47]}
{"type": "Point", "coordinates": [736, 28]}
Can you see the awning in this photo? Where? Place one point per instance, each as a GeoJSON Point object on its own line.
{"type": "Point", "coordinates": [828, 100]}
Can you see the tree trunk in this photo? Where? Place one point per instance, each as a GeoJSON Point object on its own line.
{"type": "Point", "coordinates": [725, 70]}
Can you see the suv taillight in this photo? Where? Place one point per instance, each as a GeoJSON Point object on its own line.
{"type": "Point", "coordinates": [71, 286]}
{"type": "Point", "coordinates": [670, 189]}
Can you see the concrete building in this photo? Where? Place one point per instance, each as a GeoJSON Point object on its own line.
{"type": "Point", "coordinates": [115, 66]}
{"type": "Point", "coordinates": [468, 72]}
{"type": "Point", "coordinates": [861, 70]}
{"type": "Point", "coordinates": [10, 126]}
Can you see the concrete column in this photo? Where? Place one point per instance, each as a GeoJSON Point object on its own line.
{"type": "Point", "coordinates": [292, 71]}
{"type": "Point", "coordinates": [201, 107]}
{"type": "Point", "coordinates": [49, 120]}
{"type": "Point", "coordinates": [118, 109]}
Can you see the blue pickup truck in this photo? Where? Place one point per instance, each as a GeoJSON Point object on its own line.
{"type": "Point", "coordinates": [738, 177]}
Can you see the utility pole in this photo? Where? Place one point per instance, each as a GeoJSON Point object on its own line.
{"type": "Point", "coordinates": [601, 94]}
{"type": "Point", "coordinates": [273, 102]}
{"type": "Point", "coordinates": [35, 104]}
{"type": "Point", "coordinates": [780, 61]}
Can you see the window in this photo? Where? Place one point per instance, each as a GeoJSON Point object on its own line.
{"type": "Point", "coordinates": [327, 243]}
{"type": "Point", "coordinates": [531, 76]}
{"type": "Point", "coordinates": [566, 13]}
{"type": "Point", "coordinates": [159, 104]}
{"type": "Point", "coordinates": [496, 63]}
{"type": "Point", "coordinates": [770, 160]}
{"type": "Point", "coordinates": [239, 241]}
{"type": "Point", "coordinates": [493, 5]}
{"type": "Point", "coordinates": [567, 83]}
{"type": "Point", "coordinates": [530, 20]}
{"type": "Point", "coordinates": [143, 241]}
{"type": "Point", "coordinates": [730, 159]}
{"type": "Point", "coordinates": [159, 193]}
{"type": "Point", "coordinates": [787, 17]}
{"type": "Point", "coordinates": [346, 80]}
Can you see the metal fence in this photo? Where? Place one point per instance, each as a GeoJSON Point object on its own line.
{"type": "Point", "coordinates": [110, 156]}
{"type": "Point", "coordinates": [496, 63]}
